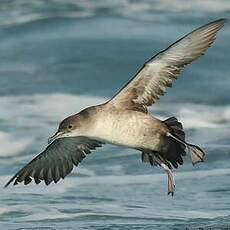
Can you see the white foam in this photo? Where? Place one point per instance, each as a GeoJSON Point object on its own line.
{"type": "Point", "coordinates": [148, 10]}
{"type": "Point", "coordinates": [10, 145]}
{"type": "Point", "coordinates": [37, 116]}
{"type": "Point", "coordinates": [39, 109]}
{"type": "Point", "coordinates": [195, 115]}
{"type": "Point", "coordinates": [28, 118]}
{"type": "Point", "coordinates": [176, 5]}
{"type": "Point", "coordinates": [35, 110]}
{"type": "Point", "coordinates": [144, 9]}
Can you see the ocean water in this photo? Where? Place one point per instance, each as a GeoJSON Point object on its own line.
{"type": "Point", "coordinates": [59, 56]}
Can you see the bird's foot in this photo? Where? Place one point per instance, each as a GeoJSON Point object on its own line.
{"type": "Point", "coordinates": [171, 183]}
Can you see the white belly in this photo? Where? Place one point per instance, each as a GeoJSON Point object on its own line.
{"type": "Point", "coordinates": [134, 130]}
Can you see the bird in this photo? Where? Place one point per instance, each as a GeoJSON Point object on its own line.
{"type": "Point", "coordinates": [124, 119]}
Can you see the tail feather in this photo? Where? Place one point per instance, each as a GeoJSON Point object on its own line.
{"type": "Point", "coordinates": [196, 153]}
{"type": "Point", "coordinates": [175, 127]}
{"type": "Point", "coordinates": [176, 150]}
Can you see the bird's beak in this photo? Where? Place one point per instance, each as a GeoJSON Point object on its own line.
{"type": "Point", "coordinates": [55, 136]}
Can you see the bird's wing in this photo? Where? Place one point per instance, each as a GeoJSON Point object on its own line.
{"type": "Point", "coordinates": [56, 161]}
{"type": "Point", "coordinates": [158, 73]}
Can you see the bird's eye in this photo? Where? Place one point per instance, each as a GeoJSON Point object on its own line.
{"type": "Point", "coordinates": [70, 126]}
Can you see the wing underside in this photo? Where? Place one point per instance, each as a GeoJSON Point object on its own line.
{"type": "Point", "coordinates": [152, 80]}
{"type": "Point", "coordinates": [56, 161]}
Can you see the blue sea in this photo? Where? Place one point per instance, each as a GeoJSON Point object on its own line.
{"type": "Point", "coordinates": [59, 56]}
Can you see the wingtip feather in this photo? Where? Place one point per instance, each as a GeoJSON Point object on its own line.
{"type": "Point", "coordinates": [9, 182]}
{"type": "Point", "coordinates": [223, 20]}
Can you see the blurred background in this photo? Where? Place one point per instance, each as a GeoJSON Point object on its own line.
{"type": "Point", "coordinates": [59, 56]}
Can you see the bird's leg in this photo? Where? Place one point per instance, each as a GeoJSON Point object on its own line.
{"type": "Point", "coordinates": [171, 179]}
{"type": "Point", "coordinates": [157, 159]}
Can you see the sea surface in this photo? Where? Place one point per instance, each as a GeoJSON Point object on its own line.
{"type": "Point", "coordinates": [59, 56]}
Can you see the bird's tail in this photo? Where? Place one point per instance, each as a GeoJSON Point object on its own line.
{"type": "Point", "coordinates": [177, 134]}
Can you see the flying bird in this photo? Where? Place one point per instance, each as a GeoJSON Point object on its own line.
{"type": "Point", "coordinates": [124, 120]}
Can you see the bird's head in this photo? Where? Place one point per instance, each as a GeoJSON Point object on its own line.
{"type": "Point", "coordinates": [75, 125]}
{"type": "Point", "coordinates": [67, 128]}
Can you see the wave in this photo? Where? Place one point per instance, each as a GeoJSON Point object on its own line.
{"type": "Point", "coordinates": [40, 114]}
{"type": "Point", "coordinates": [25, 11]}
{"type": "Point", "coordinates": [29, 118]}
{"type": "Point", "coordinates": [147, 179]}
{"type": "Point", "coordinates": [35, 110]}
{"type": "Point", "coordinates": [196, 115]}
{"type": "Point", "coordinates": [111, 208]}
{"type": "Point", "coordinates": [72, 182]}
{"type": "Point", "coordinates": [10, 145]}
{"type": "Point", "coordinates": [35, 117]}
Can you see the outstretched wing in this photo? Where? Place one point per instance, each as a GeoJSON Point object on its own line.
{"type": "Point", "coordinates": [56, 161]}
{"type": "Point", "coordinates": [152, 80]}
